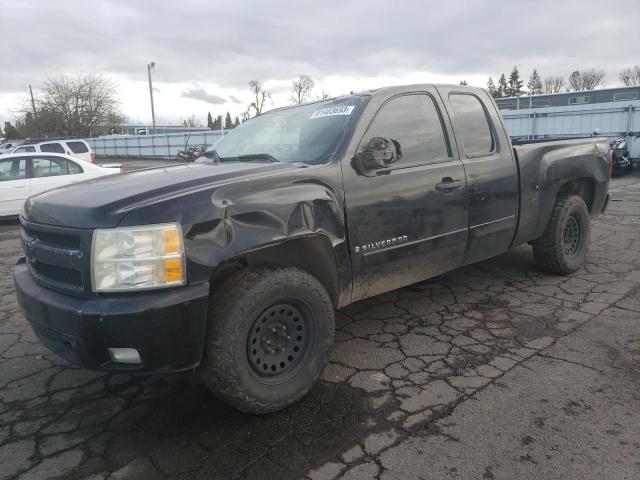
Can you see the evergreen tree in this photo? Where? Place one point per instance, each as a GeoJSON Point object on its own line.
{"type": "Point", "coordinates": [464, 82]}
{"type": "Point", "coordinates": [534, 86]}
{"type": "Point", "coordinates": [209, 121]}
{"type": "Point", "coordinates": [503, 88]}
{"type": "Point", "coordinates": [515, 83]}
{"type": "Point", "coordinates": [491, 86]}
{"type": "Point", "coordinates": [228, 124]}
{"type": "Point", "coordinates": [237, 122]}
{"type": "Point", "coordinates": [217, 123]}
{"type": "Point", "coordinates": [10, 131]}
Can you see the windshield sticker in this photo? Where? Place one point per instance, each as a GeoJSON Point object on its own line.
{"type": "Point", "coordinates": [331, 111]}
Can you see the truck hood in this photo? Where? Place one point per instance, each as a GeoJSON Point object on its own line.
{"type": "Point", "coordinates": [104, 202]}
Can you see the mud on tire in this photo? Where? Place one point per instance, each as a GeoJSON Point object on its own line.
{"type": "Point", "coordinates": [563, 246]}
{"type": "Point", "coordinates": [269, 333]}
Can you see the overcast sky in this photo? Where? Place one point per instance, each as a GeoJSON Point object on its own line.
{"type": "Point", "coordinates": [207, 51]}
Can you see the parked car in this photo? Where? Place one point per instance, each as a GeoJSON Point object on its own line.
{"type": "Point", "coordinates": [6, 147]}
{"type": "Point", "coordinates": [76, 148]}
{"type": "Point", "coordinates": [235, 267]}
{"type": "Point", "coordinates": [26, 174]}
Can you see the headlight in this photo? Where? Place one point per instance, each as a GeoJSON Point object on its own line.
{"type": "Point", "coordinates": [136, 258]}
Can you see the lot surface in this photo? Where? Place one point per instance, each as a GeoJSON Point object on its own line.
{"type": "Point", "coordinates": [494, 371]}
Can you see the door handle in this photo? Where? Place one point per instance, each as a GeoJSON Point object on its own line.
{"type": "Point", "coordinates": [448, 183]}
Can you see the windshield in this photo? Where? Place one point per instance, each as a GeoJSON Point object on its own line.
{"type": "Point", "coordinates": [299, 134]}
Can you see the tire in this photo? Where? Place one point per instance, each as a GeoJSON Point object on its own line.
{"type": "Point", "coordinates": [563, 246]}
{"type": "Point", "coordinates": [269, 334]}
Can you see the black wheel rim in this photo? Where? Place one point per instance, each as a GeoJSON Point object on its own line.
{"type": "Point", "coordinates": [572, 235]}
{"type": "Point", "coordinates": [279, 342]}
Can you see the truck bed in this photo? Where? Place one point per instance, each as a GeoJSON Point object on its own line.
{"type": "Point", "coordinates": [543, 167]}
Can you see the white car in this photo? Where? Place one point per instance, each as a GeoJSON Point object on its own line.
{"type": "Point", "coordinates": [77, 148]}
{"type": "Point", "coordinates": [6, 147]}
{"type": "Point", "coordinates": [25, 174]}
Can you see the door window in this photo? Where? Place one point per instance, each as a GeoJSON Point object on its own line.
{"type": "Point", "coordinates": [52, 148]}
{"type": "Point", "coordinates": [472, 124]}
{"type": "Point", "coordinates": [29, 148]}
{"type": "Point", "coordinates": [73, 167]}
{"type": "Point", "coordinates": [49, 167]}
{"type": "Point", "coordinates": [413, 123]}
{"type": "Point", "coordinates": [13, 169]}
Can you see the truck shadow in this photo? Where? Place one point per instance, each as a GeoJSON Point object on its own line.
{"type": "Point", "coordinates": [167, 425]}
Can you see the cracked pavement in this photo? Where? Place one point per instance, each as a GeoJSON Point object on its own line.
{"type": "Point", "coordinates": [495, 370]}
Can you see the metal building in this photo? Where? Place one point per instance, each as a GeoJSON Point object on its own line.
{"type": "Point", "coordinates": [151, 146]}
{"type": "Point", "coordinates": [604, 95]}
{"type": "Point", "coordinates": [612, 113]}
{"type": "Point", "coordinates": [141, 129]}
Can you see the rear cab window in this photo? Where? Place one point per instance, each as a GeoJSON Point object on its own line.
{"type": "Point", "coordinates": [473, 126]}
{"type": "Point", "coordinates": [52, 148]}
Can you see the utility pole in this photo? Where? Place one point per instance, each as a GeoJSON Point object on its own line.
{"type": "Point", "coordinates": [33, 107]}
{"type": "Point", "coordinates": [33, 103]}
{"type": "Point", "coordinates": [153, 112]}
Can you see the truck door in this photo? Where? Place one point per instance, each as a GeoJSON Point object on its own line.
{"type": "Point", "coordinates": [491, 172]}
{"type": "Point", "coordinates": [407, 221]}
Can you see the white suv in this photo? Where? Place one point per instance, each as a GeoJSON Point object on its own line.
{"type": "Point", "coordinates": [74, 147]}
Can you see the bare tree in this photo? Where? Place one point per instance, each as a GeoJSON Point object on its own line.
{"type": "Point", "coordinates": [81, 104]}
{"type": "Point", "coordinates": [586, 79]}
{"type": "Point", "coordinates": [630, 76]}
{"type": "Point", "coordinates": [261, 95]}
{"type": "Point", "coordinates": [593, 78]}
{"type": "Point", "coordinates": [324, 95]}
{"type": "Point", "coordinates": [553, 84]}
{"type": "Point", "coordinates": [301, 88]}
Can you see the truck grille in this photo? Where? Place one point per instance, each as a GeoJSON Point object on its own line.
{"type": "Point", "coordinates": [56, 256]}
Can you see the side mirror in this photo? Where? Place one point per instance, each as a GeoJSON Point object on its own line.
{"type": "Point", "coordinates": [378, 153]}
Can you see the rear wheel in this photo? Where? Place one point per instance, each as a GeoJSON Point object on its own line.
{"type": "Point", "coordinates": [563, 246]}
{"type": "Point", "coordinates": [270, 330]}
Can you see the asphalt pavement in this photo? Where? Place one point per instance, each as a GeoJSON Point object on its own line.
{"type": "Point", "coordinates": [493, 371]}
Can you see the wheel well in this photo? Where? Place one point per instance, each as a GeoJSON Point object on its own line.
{"type": "Point", "coordinates": [314, 255]}
{"type": "Point", "coordinates": [583, 187]}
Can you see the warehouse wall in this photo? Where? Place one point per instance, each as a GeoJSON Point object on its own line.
{"type": "Point", "coordinates": [150, 146]}
{"type": "Point", "coordinates": [607, 119]}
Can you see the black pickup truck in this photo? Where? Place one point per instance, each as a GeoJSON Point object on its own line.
{"type": "Point", "coordinates": [235, 267]}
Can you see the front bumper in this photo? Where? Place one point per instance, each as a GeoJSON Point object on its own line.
{"type": "Point", "coordinates": [166, 326]}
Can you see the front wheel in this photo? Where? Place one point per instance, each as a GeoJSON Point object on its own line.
{"type": "Point", "coordinates": [563, 246]}
{"type": "Point", "coordinates": [270, 331]}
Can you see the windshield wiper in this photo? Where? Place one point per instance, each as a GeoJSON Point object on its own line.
{"type": "Point", "coordinates": [256, 156]}
{"type": "Point", "coordinates": [212, 154]}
